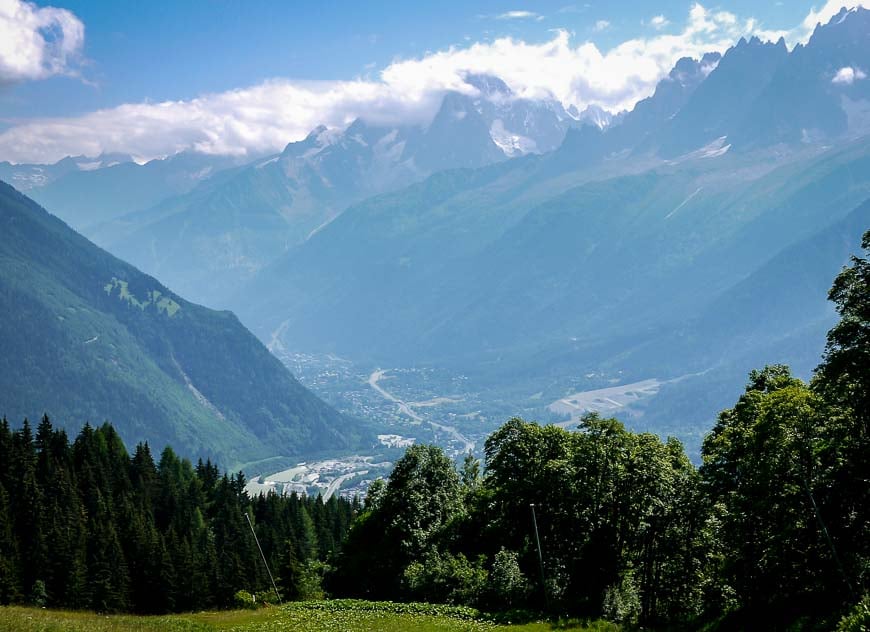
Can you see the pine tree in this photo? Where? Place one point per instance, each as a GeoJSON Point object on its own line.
{"type": "Point", "coordinates": [9, 589]}
{"type": "Point", "coordinates": [27, 506]}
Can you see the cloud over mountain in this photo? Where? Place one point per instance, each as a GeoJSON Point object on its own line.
{"type": "Point", "coordinates": [824, 15]}
{"type": "Point", "coordinates": [265, 117]}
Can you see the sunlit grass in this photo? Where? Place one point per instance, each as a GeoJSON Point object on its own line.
{"type": "Point", "coordinates": [15, 619]}
{"type": "Point", "coordinates": [325, 616]}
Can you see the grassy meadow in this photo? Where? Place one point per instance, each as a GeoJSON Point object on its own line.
{"type": "Point", "coordinates": [318, 616]}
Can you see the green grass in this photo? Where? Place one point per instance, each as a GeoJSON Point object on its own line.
{"type": "Point", "coordinates": [311, 616]}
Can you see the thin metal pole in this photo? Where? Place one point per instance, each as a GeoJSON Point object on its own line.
{"type": "Point", "coordinates": [540, 557]}
{"type": "Point", "coordinates": [828, 539]}
{"type": "Point", "coordinates": [265, 563]}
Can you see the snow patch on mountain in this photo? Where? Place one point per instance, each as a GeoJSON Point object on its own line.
{"type": "Point", "coordinates": [267, 162]}
{"type": "Point", "coordinates": [592, 115]}
{"type": "Point", "coordinates": [510, 143]}
{"type": "Point", "coordinates": [389, 147]}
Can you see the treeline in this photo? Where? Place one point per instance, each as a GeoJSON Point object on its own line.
{"type": "Point", "coordinates": [771, 532]}
{"type": "Point", "coordinates": [86, 525]}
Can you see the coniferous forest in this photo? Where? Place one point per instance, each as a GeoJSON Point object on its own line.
{"type": "Point", "coordinates": [86, 525]}
{"type": "Point", "coordinates": [771, 532]}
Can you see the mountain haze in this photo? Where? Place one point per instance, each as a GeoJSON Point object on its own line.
{"type": "Point", "coordinates": [87, 337]}
{"type": "Point", "coordinates": [210, 241]}
{"type": "Point", "coordinates": [584, 261]}
{"type": "Point", "coordinates": [86, 192]}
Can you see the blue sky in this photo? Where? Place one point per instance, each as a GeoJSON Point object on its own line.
{"type": "Point", "coordinates": [139, 53]}
{"type": "Point", "coordinates": [176, 50]}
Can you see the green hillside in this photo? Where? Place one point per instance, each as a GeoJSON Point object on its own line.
{"type": "Point", "coordinates": [90, 338]}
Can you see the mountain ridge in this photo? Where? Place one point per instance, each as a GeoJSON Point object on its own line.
{"type": "Point", "coordinates": [89, 337]}
{"type": "Point", "coordinates": [547, 268]}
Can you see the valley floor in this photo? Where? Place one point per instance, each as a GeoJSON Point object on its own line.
{"type": "Point", "coordinates": [346, 616]}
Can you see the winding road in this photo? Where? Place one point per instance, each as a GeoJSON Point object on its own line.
{"type": "Point", "coordinates": [335, 485]}
{"type": "Point", "coordinates": [406, 409]}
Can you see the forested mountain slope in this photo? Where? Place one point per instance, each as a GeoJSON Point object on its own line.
{"type": "Point", "coordinates": [88, 337]}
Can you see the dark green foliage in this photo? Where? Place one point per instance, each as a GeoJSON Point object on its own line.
{"type": "Point", "coordinates": [506, 580]}
{"type": "Point", "coordinates": [446, 578]}
{"type": "Point", "coordinates": [88, 526]}
{"type": "Point", "coordinates": [760, 461]}
{"type": "Point", "coordinates": [38, 596]}
{"type": "Point", "coordinates": [400, 524]}
{"type": "Point", "coordinates": [844, 379]}
{"type": "Point", "coordinates": [615, 509]}
{"type": "Point", "coordinates": [858, 619]}
{"type": "Point", "coordinates": [244, 600]}
{"type": "Point", "coordinates": [423, 495]}
{"type": "Point", "coordinates": [786, 471]}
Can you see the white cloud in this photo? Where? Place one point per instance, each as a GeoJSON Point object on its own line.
{"type": "Point", "coordinates": [249, 120]}
{"type": "Point", "coordinates": [658, 22]}
{"type": "Point", "coordinates": [822, 15]}
{"type": "Point", "coordinates": [265, 117]}
{"type": "Point", "coordinates": [601, 25]}
{"type": "Point", "coordinates": [520, 15]}
{"type": "Point", "coordinates": [37, 42]}
{"type": "Point", "coordinates": [848, 76]}
{"type": "Point", "coordinates": [726, 18]}
{"type": "Point", "coordinates": [801, 33]}
{"type": "Point", "coordinates": [576, 73]}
